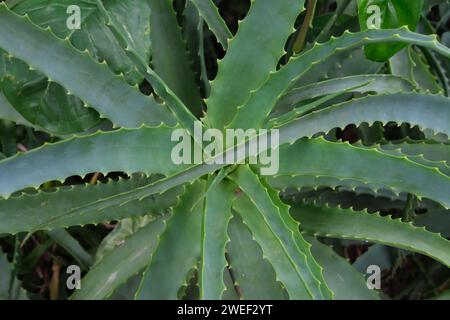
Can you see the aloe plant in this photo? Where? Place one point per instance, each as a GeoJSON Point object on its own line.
{"type": "Point", "coordinates": [219, 230]}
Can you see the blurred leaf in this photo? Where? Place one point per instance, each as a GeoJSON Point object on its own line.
{"type": "Point", "coordinates": [387, 14]}
{"type": "Point", "coordinates": [72, 246]}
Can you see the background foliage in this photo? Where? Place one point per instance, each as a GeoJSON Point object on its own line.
{"type": "Point", "coordinates": [380, 145]}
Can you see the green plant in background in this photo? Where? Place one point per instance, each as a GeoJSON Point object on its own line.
{"type": "Point", "coordinates": [223, 231]}
{"type": "Point", "coordinates": [392, 14]}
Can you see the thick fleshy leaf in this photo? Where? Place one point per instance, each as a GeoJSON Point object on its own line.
{"type": "Point", "coordinates": [178, 249]}
{"type": "Point", "coordinates": [341, 64]}
{"type": "Point", "coordinates": [210, 13]}
{"type": "Point", "coordinates": [8, 292]}
{"type": "Point", "coordinates": [133, 16]}
{"type": "Point", "coordinates": [428, 149]}
{"type": "Point", "coordinates": [146, 150]}
{"type": "Point", "coordinates": [230, 292]}
{"type": "Point", "coordinates": [169, 57]}
{"type": "Point", "coordinates": [7, 112]}
{"type": "Point", "coordinates": [424, 111]}
{"type": "Point", "coordinates": [377, 254]}
{"type": "Point", "coordinates": [43, 103]}
{"type": "Point", "coordinates": [183, 115]}
{"type": "Point", "coordinates": [261, 102]}
{"type": "Point", "coordinates": [380, 84]}
{"type": "Point", "coordinates": [236, 77]}
{"type": "Point", "coordinates": [348, 224]}
{"type": "Point", "coordinates": [342, 278]}
{"type": "Point", "coordinates": [64, 207]}
{"type": "Point", "coordinates": [48, 104]}
{"type": "Point", "coordinates": [411, 65]}
{"type": "Point", "coordinates": [252, 273]}
{"type": "Point", "coordinates": [342, 196]}
{"type": "Point", "coordinates": [277, 234]}
{"type": "Point", "coordinates": [194, 32]}
{"type": "Point", "coordinates": [123, 229]}
{"type": "Point", "coordinates": [306, 126]}
{"type": "Point", "coordinates": [216, 215]}
{"type": "Point", "coordinates": [348, 164]}
{"type": "Point", "coordinates": [120, 264]}
{"type": "Point", "coordinates": [106, 92]}
{"type": "Point", "coordinates": [63, 238]}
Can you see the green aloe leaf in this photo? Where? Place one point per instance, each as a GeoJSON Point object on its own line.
{"type": "Point", "coordinates": [305, 126]}
{"type": "Point", "coordinates": [63, 238]}
{"type": "Point", "coordinates": [341, 276]}
{"type": "Point", "coordinates": [108, 93]}
{"type": "Point", "coordinates": [206, 229]}
{"type": "Point", "coordinates": [178, 250]}
{"type": "Point", "coordinates": [31, 260]}
{"type": "Point", "coordinates": [380, 84]}
{"type": "Point", "coordinates": [210, 13]}
{"type": "Point", "coordinates": [252, 273]}
{"type": "Point", "coordinates": [261, 102]}
{"type": "Point", "coordinates": [236, 78]}
{"type": "Point", "coordinates": [42, 103]}
{"type": "Point", "coordinates": [7, 277]}
{"type": "Point", "coordinates": [289, 133]}
{"type": "Point", "coordinates": [63, 207]}
{"type": "Point", "coordinates": [216, 215]}
{"type": "Point", "coordinates": [387, 14]}
{"type": "Point", "coordinates": [428, 149]}
{"type": "Point", "coordinates": [121, 264]}
{"type": "Point", "coordinates": [341, 64]}
{"type": "Point", "coordinates": [46, 103]}
{"type": "Point", "coordinates": [176, 106]}
{"type": "Point", "coordinates": [170, 59]}
{"type": "Point", "coordinates": [133, 16]}
{"type": "Point", "coordinates": [146, 150]}
{"type": "Point", "coordinates": [123, 229]}
{"type": "Point", "coordinates": [348, 224]}
{"type": "Point", "coordinates": [7, 112]}
{"type": "Point", "coordinates": [434, 220]}
{"type": "Point", "coordinates": [411, 65]}
{"type": "Point", "coordinates": [194, 33]}
{"type": "Point", "coordinates": [277, 233]}
{"type": "Point", "coordinates": [230, 292]}
{"type": "Point", "coordinates": [347, 164]}
{"type": "Point", "coordinates": [425, 111]}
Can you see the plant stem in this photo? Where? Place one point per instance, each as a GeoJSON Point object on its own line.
{"type": "Point", "coordinates": [299, 43]}
{"type": "Point", "coordinates": [409, 210]}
